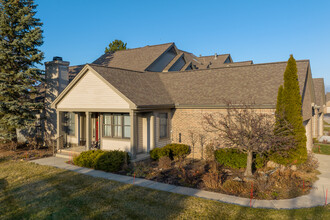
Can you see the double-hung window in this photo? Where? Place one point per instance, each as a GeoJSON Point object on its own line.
{"type": "Point", "coordinates": [163, 126]}
{"type": "Point", "coordinates": [69, 123]}
{"type": "Point", "coordinates": [116, 125]}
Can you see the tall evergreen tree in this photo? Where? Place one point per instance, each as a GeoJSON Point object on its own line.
{"type": "Point", "coordinates": [115, 46]}
{"type": "Point", "coordinates": [288, 111]}
{"type": "Point", "coordinates": [292, 108]}
{"type": "Point", "coordinates": [20, 37]}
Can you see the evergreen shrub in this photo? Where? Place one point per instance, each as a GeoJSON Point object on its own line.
{"type": "Point", "coordinates": [235, 159]}
{"type": "Point", "coordinates": [110, 161]}
{"type": "Point", "coordinates": [171, 150]}
{"type": "Point", "coordinates": [230, 158]}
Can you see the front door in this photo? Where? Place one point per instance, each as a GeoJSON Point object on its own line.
{"type": "Point", "coordinates": [95, 127]}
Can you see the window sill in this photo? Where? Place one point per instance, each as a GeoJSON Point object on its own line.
{"type": "Point", "coordinates": [116, 139]}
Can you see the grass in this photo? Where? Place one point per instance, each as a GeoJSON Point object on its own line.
{"type": "Point", "coordinates": [326, 128]}
{"type": "Point", "coordinates": [324, 149]}
{"type": "Point", "coordinates": [30, 191]}
{"type": "Point", "coordinates": [325, 123]}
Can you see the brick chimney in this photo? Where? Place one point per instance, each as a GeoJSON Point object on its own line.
{"type": "Point", "coordinates": [56, 79]}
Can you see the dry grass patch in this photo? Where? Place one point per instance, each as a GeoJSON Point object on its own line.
{"type": "Point", "coordinates": [30, 191]}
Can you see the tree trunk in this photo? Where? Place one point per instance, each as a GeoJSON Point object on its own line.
{"type": "Point", "coordinates": [248, 171]}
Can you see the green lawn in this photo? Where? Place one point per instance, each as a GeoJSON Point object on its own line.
{"type": "Point", "coordinates": [326, 128]}
{"type": "Point", "coordinates": [324, 149]}
{"type": "Point", "coordinates": [30, 191]}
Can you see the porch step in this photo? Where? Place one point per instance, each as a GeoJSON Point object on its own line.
{"type": "Point", "coordinates": [67, 154]}
{"type": "Point", "coordinates": [63, 156]}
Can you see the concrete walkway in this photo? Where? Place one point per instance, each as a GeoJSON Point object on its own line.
{"type": "Point", "coordinates": [315, 198]}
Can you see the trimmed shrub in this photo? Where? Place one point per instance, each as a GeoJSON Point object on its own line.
{"type": "Point", "coordinates": [88, 158]}
{"type": "Point", "coordinates": [110, 161]}
{"type": "Point", "coordinates": [230, 158]}
{"type": "Point", "coordinates": [260, 161]}
{"type": "Point", "coordinates": [154, 154]}
{"type": "Point", "coordinates": [171, 150]}
{"type": "Point", "coordinates": [235, 159]}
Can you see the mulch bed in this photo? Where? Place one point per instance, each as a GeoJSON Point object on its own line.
{"type": "Point", "coordinates": [266, 183]}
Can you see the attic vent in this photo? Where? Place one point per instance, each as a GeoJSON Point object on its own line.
{"type": "Point", "coordinates": [57, 59]}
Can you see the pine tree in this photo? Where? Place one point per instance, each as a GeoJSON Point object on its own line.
{"type": "Point", "coordinates": [292, 108]}
{"type": "Point", "coordinates": [21, 35]}
{"type": "Point", "coordinates": [289, 119]}
{"type": "Point", "coordinates": [115, 46]}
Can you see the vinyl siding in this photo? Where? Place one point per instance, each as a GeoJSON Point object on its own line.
{"type": "Point", "coordinates": [91, 92]}
{"type": "Point", "coordinates": [113, 144]}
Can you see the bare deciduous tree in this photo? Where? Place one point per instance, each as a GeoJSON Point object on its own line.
{"type": "Point", "coordinates": [246, 129]}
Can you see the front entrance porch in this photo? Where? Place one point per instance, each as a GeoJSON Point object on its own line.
{"type": "Point", "coordinates": [129, 131]}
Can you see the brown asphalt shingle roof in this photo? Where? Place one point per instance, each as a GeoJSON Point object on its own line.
{"type": "Point", "coordinates": [319, 91]}
{"type": "Point", "coordinates": [138, 59]}
{"type": "Point", "coordinates": [327, 97]}
{"type": "Point", "coordinates": [257, 82]}
{"type": "Point", "coordinates": [210, 61]}
{"type": "Point", "coordinates": [142, 88]}
{"type": "Point", "coordinates": [74, 70]}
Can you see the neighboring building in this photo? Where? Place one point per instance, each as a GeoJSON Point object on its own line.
{"type": "Point", "coordinates": [319, 108]}
{"type": "Point", "coordinates": [328, 103]}
{"type": "Point", "coordinates": [142, 98]}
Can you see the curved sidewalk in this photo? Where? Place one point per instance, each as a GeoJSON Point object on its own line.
{"type": "Point", "coordinates": [315, 198]}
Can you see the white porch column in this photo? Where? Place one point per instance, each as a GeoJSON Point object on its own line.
{"type": "Point", "coordinates": [58, 128]}
{"type": "Point", "coordinates": [88, 130]}
{"type": "Point", "coordinates": [133, 118]}
{"type": "Point", "coordinates": [152, 132]}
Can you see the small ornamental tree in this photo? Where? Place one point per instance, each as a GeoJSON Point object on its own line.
{"type": "Point", "coordinates": [20, 37]}
{"type": "Point", "coordinates": [115, 46]}
{"type": "Point", "coordinates": [289, 110]}
{"type": "Point", "coordinates": [245, 129]}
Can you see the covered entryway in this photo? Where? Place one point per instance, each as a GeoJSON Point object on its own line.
{"type": "Point", "coordinates": [146, 132]}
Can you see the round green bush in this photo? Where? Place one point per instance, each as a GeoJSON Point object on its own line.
{"type": "Point", "coordinates": [230, 158]}
{"type": "Point", "coordinates": [235, 159]}
{"type": "Point", "coordinates": [154, 154]}
{"type": "Point", "coordinates": [112, 161]}
{"type": "Point", "coordinates": [87, 158]}
{"type": "Point", "coordinates": [171, 150]}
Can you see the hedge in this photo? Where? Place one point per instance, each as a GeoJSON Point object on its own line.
{"type": "Point", "coordinates": [235, 159]}
{"type": "Point", "coordinates": [171, 150]}
{"type": "Point", "coordinates": [110, 161]}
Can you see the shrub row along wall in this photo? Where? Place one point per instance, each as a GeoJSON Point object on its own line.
{"type": "Point", "coordinates": [110, 161]}
{"type": "Point", "coordinates": [235, 159]}
{"type": "Point", "coordinates": [172, 151]}
{"type": "Point", "coordinates": [186, 120]}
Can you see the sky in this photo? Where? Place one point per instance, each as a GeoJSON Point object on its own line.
{"type": "Point", "coordinates": [258, 30]}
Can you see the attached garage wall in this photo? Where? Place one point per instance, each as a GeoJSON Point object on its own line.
{"type": "Point", "coordinates": [186, 121]}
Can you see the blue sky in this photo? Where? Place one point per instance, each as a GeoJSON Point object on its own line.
{"type": "Point", "coordinates": [258, 30]}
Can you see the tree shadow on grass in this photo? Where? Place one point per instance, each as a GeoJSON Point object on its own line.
{"type": "Point", "coordinates": [68, 195]}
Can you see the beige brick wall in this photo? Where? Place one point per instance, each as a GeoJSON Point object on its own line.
{"type": "Point", "coordinates": [309, 128]}
{"type": "Point", "coordinates": [186, 121]}
{"type": "Point", "coordinates": [315, 121]}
